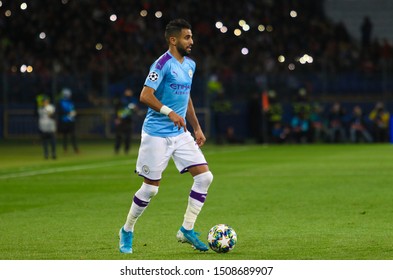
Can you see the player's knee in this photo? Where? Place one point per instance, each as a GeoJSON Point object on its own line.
{"type": "Point", "coordinates": [153, 192]}
{"type": "Point", "coordinates": [204, 180]}
{"type": "Point", "coordinates": [147, 191]}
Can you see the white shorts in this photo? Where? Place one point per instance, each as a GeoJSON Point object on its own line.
{"type": "Point", "coordinates": [155, 152]}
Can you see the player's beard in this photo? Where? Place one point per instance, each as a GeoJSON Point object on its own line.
{"type": "Point", "coordinates": [182, 51]}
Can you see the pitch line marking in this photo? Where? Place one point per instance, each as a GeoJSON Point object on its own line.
{"type": "Point", "coordinates": [90, 166]}
{"type": "Point", "coordinates": [62, 169]}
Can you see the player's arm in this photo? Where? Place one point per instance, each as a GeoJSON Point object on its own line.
{"type": "Point", "coordinates": [193, 121]}
{"type": "Point", "coordinates": [148, 98]}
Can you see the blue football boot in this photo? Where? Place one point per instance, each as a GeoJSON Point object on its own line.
{"type": "Point", "coordinates": [125, 243]}
{"type": "Point", "coordinates": [190, 236]}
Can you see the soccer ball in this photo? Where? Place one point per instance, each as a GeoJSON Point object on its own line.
{"type": "Point", "coordinates": [222, 238]}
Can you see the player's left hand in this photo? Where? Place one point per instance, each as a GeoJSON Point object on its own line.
{"type": "Point", "coordinates": [200, 138]}
{"type": "Point", "coordinates": [177, 120]}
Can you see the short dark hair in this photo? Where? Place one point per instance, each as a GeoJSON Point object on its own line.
{"type": "Point", "coordinates": [174, 27]}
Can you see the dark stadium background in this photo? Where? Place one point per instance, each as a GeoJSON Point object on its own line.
{"type": "Point", "coordinates": [97, 48]}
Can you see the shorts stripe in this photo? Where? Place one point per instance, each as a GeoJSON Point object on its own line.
{"type": "Point", "coordinates": [188, 167]}
{"type": "Point", "coordinates": [143, 176]}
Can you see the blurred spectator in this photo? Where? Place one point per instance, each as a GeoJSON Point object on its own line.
{"type": "Point", "coordinates": [300, 126]}
{"type": "Point", "coordinates": [318, 124]}
{"type": "Point", "coordinates": [380, 118]}
{"type": "Point", "coordinates": [301, 103]}
{"type": "Point", "coordinates": [274, 113]}
{"type": "Point", "coordinates": [336, 125]}
{"type": "Point", "coordinates": [47, 126]}
{"type": "Point", "coordinates": [358, 127]}
{"type": "Point", "coordinates": [280, 133]}
{"type": "Point", "coordinates": [125, 108]}
{"type": "Point", "coordinates": [214, 86]}
{"type": "Point", "coordinates": [67, 115]}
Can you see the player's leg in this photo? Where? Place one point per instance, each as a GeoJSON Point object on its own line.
{"type": "Point", "coordinates": [118, 140]}
{"type": "Point", "coordinates": [127, 140]}
{"type": "Point", "coordinates": [140, 202]}
{"type": "Point", "coordinates": [53, 144]}
{"type": "Point", "coordinates": [188, 157]}
{"type": "Point", "coordinates": [44, 138]}
{"type": "Point", "coordinates": [65, 136]}
{"type": "Point", "coordinates": [202, 180]}
{"type": "Point", "coordinates": [73, 137]}
{"type": "Point", "coordinates": [152, 159]}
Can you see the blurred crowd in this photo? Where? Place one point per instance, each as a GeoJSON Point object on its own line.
{"type": "Point", "coordinates": [105, 42]}
{"type": "Point", "coordinates": [122, 37]}
{"type": "Point", "coordinates": [325, 123]}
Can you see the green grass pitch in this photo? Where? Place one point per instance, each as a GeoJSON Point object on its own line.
{"type": "Point", "coordinates": [290, 202]}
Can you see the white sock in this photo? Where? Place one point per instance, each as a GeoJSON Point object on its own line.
{"type": "Point", "coordinates": [197, 198]}
{"type": "Point", "coordinates": [141, 200]}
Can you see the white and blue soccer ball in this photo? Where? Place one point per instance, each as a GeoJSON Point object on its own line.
{"type": "Point", "coordinates": [222, 238]}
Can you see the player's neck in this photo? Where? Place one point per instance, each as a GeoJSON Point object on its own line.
{"type": "Point", "coordinates": [176, 54]}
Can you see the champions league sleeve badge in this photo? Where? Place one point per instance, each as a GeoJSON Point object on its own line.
{"type": "Point", "coordinates": [153, 76]}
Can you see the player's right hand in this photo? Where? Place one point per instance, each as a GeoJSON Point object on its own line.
{"type": "Point", "coordinates": [177, 120]}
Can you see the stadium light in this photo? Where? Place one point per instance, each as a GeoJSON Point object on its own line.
{"type": "Point", "coordinates": [224, 29]}
{"type": "Point", "coordinates": [237, 32]}
{"type": "Point", "coordinates": [306, 59]}
{"type": "Point", "coordinates": [242, 22]}
{"type": "Point", "coordinates": [23, 6]}
{"type": "Point", "coordinates": [23, 68]}
{"type": "Point", "coordinates": [219, 24]}
{"type": "Point", "coordinates": [281, 58]}
{"type": "Point", "coordinates": [143, 13]}
{"type": "Point", "coordinates": [269, 28]}
{"type": "Point", "coordinates": [98, 46]}
{"type": "Point", "coordinates": [64, 2]}
{"type": "Point", "coordinates": [1, 3]}
{"type": "Point", "coordinates": [261, 28]}
{"type": "Point", "coordinates": [293, 14]}
{"type": "Point", "coordinates": [244, 51]}
{"type": "Point", "coordinates": [29, 69]}
{"type": "Point", "coordinates": [158, 14]}
{"type": "Point", "coordinates": [246, 27]}
{"type": "Point", "coordinates": [291, 66]}
{"type": "Point", "coordinates": [7, 13]}
{"type": "Point", "coordinates": [113, 17]}
{"type": "Point", "coordinates": [42, 35]}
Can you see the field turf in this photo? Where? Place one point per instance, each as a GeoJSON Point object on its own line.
{"type": "Point", "coordinates": [290, 202]}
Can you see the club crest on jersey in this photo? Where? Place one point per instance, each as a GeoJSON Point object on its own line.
{"type": "Point", "coordinates": [153, 76]}
{"type": "Point", "coordinates": [190, 73]}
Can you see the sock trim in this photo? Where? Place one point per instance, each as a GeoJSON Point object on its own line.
{"type": "Point", "coordinates": [140, 202]}
{"type": "Point", "coordinates": [201, 197]}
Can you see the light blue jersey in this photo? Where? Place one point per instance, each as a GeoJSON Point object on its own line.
{"type": "Point", "coordinates": [171, 81]}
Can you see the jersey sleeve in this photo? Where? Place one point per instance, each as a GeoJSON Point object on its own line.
{"type": "Point", "coordinates": [157, 72]}
{"type": "Point", "coordinates": [154, 78]}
